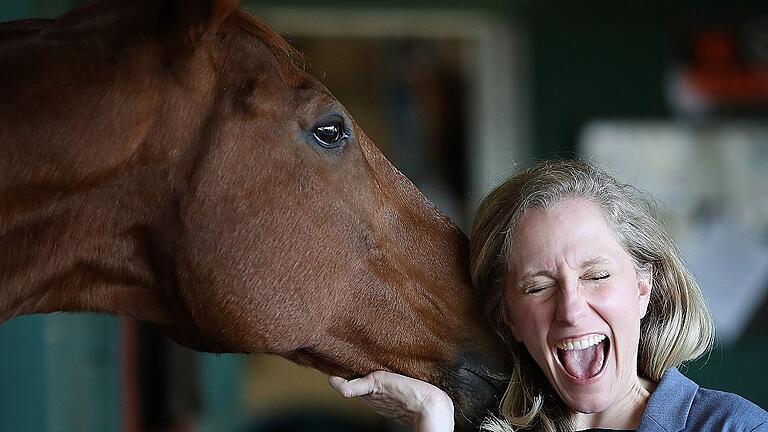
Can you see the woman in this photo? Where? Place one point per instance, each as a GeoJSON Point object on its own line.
{"type": "Point", "coordinates": [597, 308]}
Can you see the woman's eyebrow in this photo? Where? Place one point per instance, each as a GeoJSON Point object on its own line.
{"type": "Point", "coordinates": [594, 261]}
{"type": "Point", "coordinates": [533, 274]}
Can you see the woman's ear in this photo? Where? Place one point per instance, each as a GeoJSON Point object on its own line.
{"type": "Point", "coordinates": [644, 288]}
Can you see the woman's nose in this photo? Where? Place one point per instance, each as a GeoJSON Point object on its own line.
{"type": "Point", "coordinates": [571, 305]}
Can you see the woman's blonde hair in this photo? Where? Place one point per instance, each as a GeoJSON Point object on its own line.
{"type": "Point", "coordinates": [676, 328]}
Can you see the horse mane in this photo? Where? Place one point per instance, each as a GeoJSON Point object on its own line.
{"type": "Point", "coordinates": [275, 42]}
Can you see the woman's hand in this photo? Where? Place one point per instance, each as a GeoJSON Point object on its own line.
{"type": "Point", "coordinates": [403, 399]}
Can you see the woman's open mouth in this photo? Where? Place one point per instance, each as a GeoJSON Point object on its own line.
{"type": "Point", "coordinates": [583, 358]}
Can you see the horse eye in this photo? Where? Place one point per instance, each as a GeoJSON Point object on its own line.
{"type": "Point", "coordinates": [330, 134]}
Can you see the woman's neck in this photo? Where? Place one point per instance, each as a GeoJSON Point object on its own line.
{"type": "Point", "coordinates": [624, 414]}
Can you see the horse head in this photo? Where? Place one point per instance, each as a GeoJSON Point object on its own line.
{"type": "Point", "coordinates": [172, 161]}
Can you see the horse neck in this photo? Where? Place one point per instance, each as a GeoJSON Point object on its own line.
{"type": "Point", "coordinates": [79, 244]}
{"type": "Point", "coordinates": [87, 211]}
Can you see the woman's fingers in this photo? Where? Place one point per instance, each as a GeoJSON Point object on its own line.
{"type": "Point", "coordinates": [403, 399]}
{"type": "Point", "coordinates": [352, 388]}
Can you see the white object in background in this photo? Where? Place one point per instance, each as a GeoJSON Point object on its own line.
{"type": "Point", "coordinates": [713, 179]}
{"type": "Point", "coordinates": [731, 264]}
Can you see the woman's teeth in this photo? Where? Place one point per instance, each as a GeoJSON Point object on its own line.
{"type": "Point", "coordinates": [582, 343]}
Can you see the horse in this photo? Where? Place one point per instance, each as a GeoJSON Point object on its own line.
{"type": "Point", "coordinates": [172, 161]}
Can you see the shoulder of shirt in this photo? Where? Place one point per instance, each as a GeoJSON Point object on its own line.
{"type": "Point", "coordinates": [680, 404]}
{"type": "Point", "coordinates": [728, 408]}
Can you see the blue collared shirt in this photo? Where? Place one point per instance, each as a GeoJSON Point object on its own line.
{"type": "Point", "coordinates": [679, 404]}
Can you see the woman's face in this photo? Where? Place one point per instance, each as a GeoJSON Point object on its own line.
{"type": "Point", "coordinates": [574, 299]}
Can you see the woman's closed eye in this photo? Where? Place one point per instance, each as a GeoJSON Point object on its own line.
{"type": "Point", "coordinates": [598, 276]}
{"type": "Point", "coordinates": [534, 289]}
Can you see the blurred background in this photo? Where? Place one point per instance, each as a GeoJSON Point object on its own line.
{"type": "Point", "coordinates": [671, 96]}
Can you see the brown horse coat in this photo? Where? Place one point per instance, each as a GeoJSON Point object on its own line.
{"type": "Point", "coordinates": [168, 160]}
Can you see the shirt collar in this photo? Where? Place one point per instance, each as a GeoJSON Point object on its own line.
{"type": "Point", "coordinates": [670, 403]}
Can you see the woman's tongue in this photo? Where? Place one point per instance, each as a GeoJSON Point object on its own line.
{"type": "Point", "coordinates": [583, 363]}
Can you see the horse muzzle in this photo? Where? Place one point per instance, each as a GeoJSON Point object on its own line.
{"type": "Point", "coordinates": [476, 386]}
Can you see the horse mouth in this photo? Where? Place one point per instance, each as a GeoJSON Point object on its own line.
{"type": "Point", "coordinates": [493, 381]}
{"type": "Point", "coordinates": [475, 391]}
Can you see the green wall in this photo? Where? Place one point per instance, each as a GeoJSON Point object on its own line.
{"type": "Point", "coordinates": [60, 373]}
{"type": "Point", "coordinates": [606, 59]}
{"type": "Point", "coordinates": [22, 366]}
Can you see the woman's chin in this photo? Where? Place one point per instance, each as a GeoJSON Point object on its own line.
{"type": "Point", "coordinates": [586, 405]}
{"type": "Point", "coordinates": [587, 398]}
